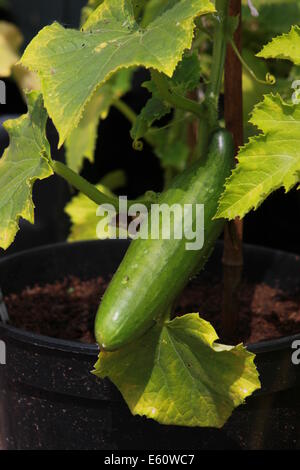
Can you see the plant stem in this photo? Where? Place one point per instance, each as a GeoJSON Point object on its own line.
{"type": "Point", "coordinates": [204, 133]}
{"type": "Point", "coordinates": [270, 79]}
{"type": "Point", "coordinates": [218, 60]}
{"type": "Point", "coordinates": [91, 191]}
{"type": "Point", "coordinates": [169, 174]}
{"type": "Point", "coordinates": [177, 101]}
{"type": "Point", "coordinates": [83, 185]}
{"type": "Point", "coordinates": [206, 126]}
{"type": "Point", "coordinates": [233, 237]}
{"type": "Point", "coordinates": [126, 110]}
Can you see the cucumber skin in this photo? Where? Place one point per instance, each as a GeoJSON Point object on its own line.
{"type": "Point", "coordinates": [154, 272]}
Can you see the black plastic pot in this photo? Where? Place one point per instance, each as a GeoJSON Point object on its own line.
{"type": "Point", "coordinates": [48, 399]}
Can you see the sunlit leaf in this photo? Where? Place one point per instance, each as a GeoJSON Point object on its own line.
{"type": "Point", "coordinates": [26, 80]}
{"type": "Point", "coordinates": [286, 46]}
{"type": "Point", "coordinates": [23, 162]}
{"type": "Point", "coordinates": [177, 374]}
{"type": "Point", "coordinates": [268, 161]}
{"type": "Point", "coordinates": [73, 64]}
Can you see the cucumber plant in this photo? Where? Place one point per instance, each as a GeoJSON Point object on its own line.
{"type": "Point", "coordinates": [169, 369]}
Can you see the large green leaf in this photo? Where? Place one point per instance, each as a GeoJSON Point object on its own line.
{"type": "Point", "coordinates": [82, 141]}
{"type": "Point", "coordinates": [253, 92]}
{"type": "Point", "coordinates": [23, 162]}
{"type": "Point", "coordinates": [177, 374]}
{"type": "Point", "coordinates": [286, 46]}
{"type": "Point", "coordinates": [73, 64]}
{"type": "Point", "coordinates": [268, 161]}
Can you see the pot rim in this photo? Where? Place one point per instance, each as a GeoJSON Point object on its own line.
{"type": "Point", "coordinates": [75, 347]}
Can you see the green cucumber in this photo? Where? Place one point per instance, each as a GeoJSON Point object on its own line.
{"type": "Point", "coordinates": [154, 272]}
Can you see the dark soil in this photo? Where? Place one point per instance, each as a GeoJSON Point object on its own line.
{"type": "Point", "coordinates": [265, 312]}
{"type": "Point", "coordinates": [67, 309]}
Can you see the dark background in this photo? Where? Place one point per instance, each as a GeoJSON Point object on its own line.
{"type": "Point", "coordinates": [275, 224]}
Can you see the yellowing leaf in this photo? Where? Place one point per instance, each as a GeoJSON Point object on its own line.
{"type": "Point", "coordinates": [268, 161]}
{"type": "Point", "coordinates": [23, 162]}
{"type": "Point", "coordinates": [177, 374]}
{"type": "Point", "coordinates": [26, 80]}
{"type": "Point", "coordinates": [73, 64]}
{"type": "Point", "coordinates": [286, 46]}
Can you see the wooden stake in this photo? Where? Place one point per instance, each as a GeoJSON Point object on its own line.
{"type": "Point", "coordinates": [233, 236]}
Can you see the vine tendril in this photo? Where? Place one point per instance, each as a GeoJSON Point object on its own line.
{"type": "Point", "coordinates": [269, 80]}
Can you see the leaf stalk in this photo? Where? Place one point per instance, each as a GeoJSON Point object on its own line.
{"type": "Point", "coordinates": [93, 193]}
{"type": "Point", "coordinates": [270, 79]}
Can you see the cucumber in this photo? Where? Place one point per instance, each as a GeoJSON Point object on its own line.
{"type": "Point", "coordinates": [154, 272]}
